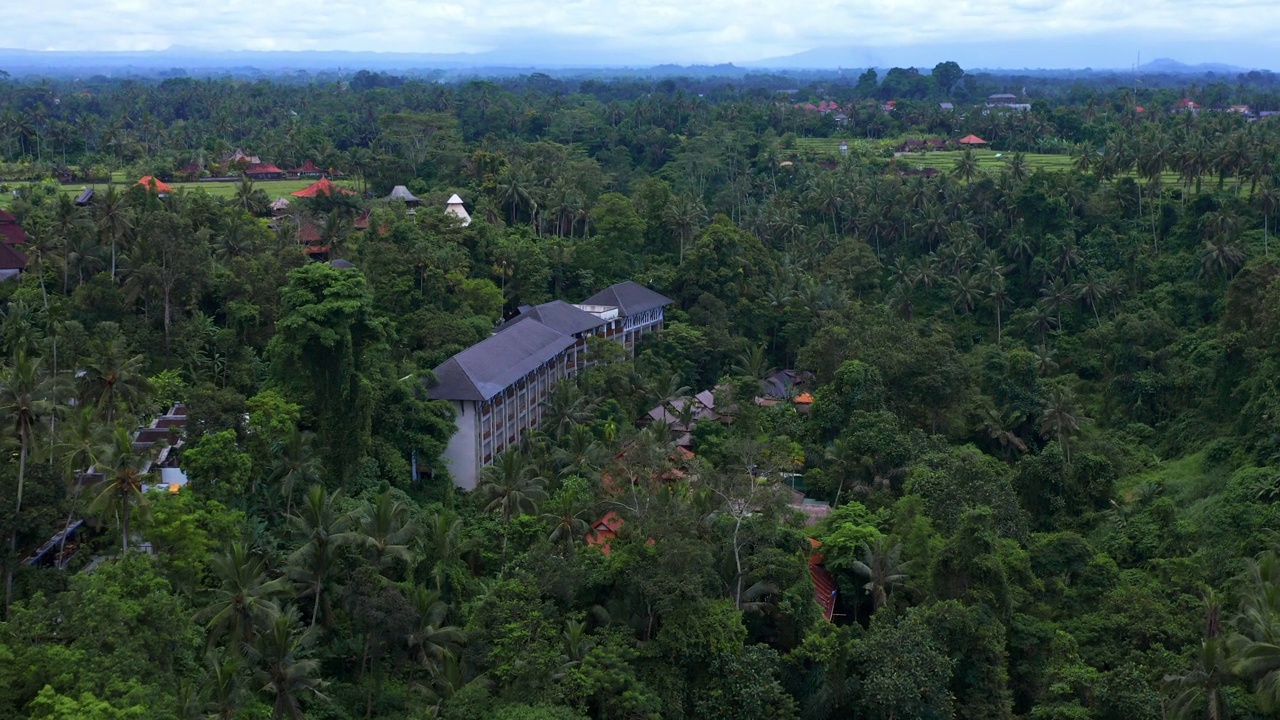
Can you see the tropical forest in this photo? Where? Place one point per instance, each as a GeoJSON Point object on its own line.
{"type": "Point", "coordinates": [963, 401]}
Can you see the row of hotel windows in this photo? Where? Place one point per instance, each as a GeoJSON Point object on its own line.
{"type": "Point", "coordinates": [500, 430]}
{"type": "Point", "coordinates": [505, 418]}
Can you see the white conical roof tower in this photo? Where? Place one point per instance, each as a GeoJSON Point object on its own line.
{"type": "Point", "coordinates": [455, 207]}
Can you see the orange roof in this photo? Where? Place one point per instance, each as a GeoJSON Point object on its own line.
{"type": "Point", "coordinates": [155, 184]}
{"type": "Point", "coordinates": [604, 530]}
{"type": "Point", "coordinates": [804, 399]}
{"type": "Point", "coordinates": [322, 187]}
{"type": "Point", "coordinates": [824, 586]}
{"type": "Point", "coordinates": [972, 140]}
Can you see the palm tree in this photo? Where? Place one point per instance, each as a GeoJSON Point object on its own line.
{"type": "Point", "coordinates": [432, 641]}
{"type": "Point", "coordinates": [111, 379]}
{"type": "Point", "coordinates": [998, 294]}
{"type": "Point", "coordinates": [512, 487]}
{"type": "Point", "coordinates": [1198, 691]}
{"type": "Point", "coordinates": [296, 464]}
{"type": "Point", "coordinates": [82, 439]}
{"type": "Point", "coordinates": [323, 529]}
{"type": "Point", "coordinates": [242, 603]}
{"type": "Point", "coordinates": [443, 530]}
{"type": "Point", "coordinates": [967, 292]}
{"type": "Point", "coordinates": [387, 527]}
{"type": "Point", "coordinates": [1059, 419]}
{"type": "Point", "coordinates": [283, 666]}
{"type": "Point", "coordinates": [223, 692]}
{"type": "Point", "coordinates": [1222, 256]}
{"type": "Point", "coordinates": [567, 407]}
{"type": "Point", "coordinates": [249, 198]}
{"type": "Point", "coordinates": [1018, 168]}
{"type": "Point", "coordinates": [882, 569]}
{"type": "Point", "coordinates": [966, 166]}
{"type": "Point", "coordinates": [564, 515]}
{"type": "Point", "coordinates": [579, 451]}
{"type": "Point", "coordinates": [113, 220]}
{"type": "Point", "coordinates": [26, 398]}
{"type": "Point", "coordinates": [124, 472]}
{"type": "Point", "coordinates": [753, 364]}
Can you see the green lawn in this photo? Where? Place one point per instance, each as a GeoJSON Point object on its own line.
{"type": "Point", "coordinates": [273, 188]}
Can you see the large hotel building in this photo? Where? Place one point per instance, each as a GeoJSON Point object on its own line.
{"type": "Point", "coordinates": [498, 386]}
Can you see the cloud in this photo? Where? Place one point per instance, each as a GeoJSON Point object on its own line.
{"type": "Point", "coordinates": [643, 30]}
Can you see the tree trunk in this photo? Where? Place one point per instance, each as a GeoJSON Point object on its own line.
{"type": "Point", "coordinates": [124, 525]}
{"type": "Point", "coordinates": [13, 535]}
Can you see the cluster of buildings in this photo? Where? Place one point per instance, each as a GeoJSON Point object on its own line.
{"type": "Point", "coordinates": [252, 167]}
{"type": "Point", "coordinates": [498, 387]}
{"type": "Point", "coordinates": [12, 261]}
{"type": "Point", "coordinates": [163, 438]}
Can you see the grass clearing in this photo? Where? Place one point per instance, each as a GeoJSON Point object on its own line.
{"type": "Point", "coordinates": [273, 188]}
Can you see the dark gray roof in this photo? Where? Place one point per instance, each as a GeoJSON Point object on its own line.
{"type": "Point", "coordinates": [629, 297]}
{"type": "Point", "coordinates": [557, 315]}
{"type": "Point", "coordinates": [341, 264]}
{"type": "Point", "coordinates": [488, 367]}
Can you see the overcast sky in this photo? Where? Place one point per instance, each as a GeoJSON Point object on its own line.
{"type": "Point", "coordinates": [682, 31]}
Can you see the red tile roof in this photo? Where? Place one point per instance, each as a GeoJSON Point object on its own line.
{"type": "Point", "coordinates": [824, 585]}
{"type": "Point", "coordinates": [308, 232]}
{"type": "Point", "coordinates": [12, 235]}
{"type": "Point", "coordinates": [972, 140]}
{"type": "Point", "coordinates": [7, 217]}
{"type": "Point", "coordinates": [155, 184]}
{"type": "Point", "coordinates": [307, 168]}
{"type": "Point", "coordinates": [262, 168]}
{"type": "Point", "coordinates": [604, 530]}
{"type": "Point", "coordinates": [11, 258]}
{"type": "Point", "coordinates": [322, 187]}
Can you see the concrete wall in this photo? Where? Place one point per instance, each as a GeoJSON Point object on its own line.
{"type": "Point", "coordinates": [460, 455]}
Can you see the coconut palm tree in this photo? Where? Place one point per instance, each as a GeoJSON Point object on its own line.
{"type": "Point", "coordinates": [1198, 692]}
{"type": "Point", "coordinates": [243, 603]}
{"type": "Point", "coordinates": [27, 396]}
{"type": "Point", "coordinates": [432, 641]}
{"type": "Point", "coordinates": [966, 166]}
{"type": "Point", "coordinates": [323, 529]}
{"type": "Point", "coordinates": [120, 493]}
{"type": "Point", "coordinates": [114, 220]}
{"type": "Point", "coordinates": [111, 379]}
{"type": "Point", "coordinates": [283, 666]}
{"type": "Point", "coordinates": [567, 407]}
{"type": "Point", "coordinates": [882, 569]}
{"type": "Point", "coordinates": [511, 487]}
{"type": "Point", "coordinates": [223, 691]}
{"type": "Point", "coordinates": [387, 527]}
{"type": "Point", "coordinates": [564, 515]}
{"type": "Point", "coordinates": [1060, 420]}
{"type": "Point", "coordinates": [296, 464]}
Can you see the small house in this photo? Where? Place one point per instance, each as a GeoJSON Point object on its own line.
{"type": "Point", "coordinates": [402, 194]}
{"type": "Point", "coordinates": [155, 185]}
{"type": "Point", "coordinates": [324, 187]}
{"type": "Point", "coordinates": [971, 140]}
{"type": "Point", "coordinates": [12, 262]}
{"type": "Point", "coordinates": [457, 209]}
{"type": "Point", "coordinates": [11, 233]}
{"type": "Point", "coordinates": [263, 171]}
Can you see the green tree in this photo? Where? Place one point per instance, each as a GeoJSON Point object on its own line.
{"type": "Point", "coordinates": [26, 398]}
{"type": "Point", "coordinates": [325, 350]}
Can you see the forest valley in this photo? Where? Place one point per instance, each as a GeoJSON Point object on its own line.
{"type": "Point", "coordinates": [1044, 406]}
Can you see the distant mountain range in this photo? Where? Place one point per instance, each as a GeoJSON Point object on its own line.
{"type": "Point", "coordinates": [1097, 53]}
{"type": "Point", "coordinates": [1104, 51]}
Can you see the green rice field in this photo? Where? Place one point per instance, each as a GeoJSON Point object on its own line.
{"type": "Point", "coordinates": [988, 160]}
{"type": "Point", "coordinates": [273, 188]}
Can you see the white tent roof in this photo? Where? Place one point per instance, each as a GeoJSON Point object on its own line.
{"type": "Point", "coordinates": [455, 200]}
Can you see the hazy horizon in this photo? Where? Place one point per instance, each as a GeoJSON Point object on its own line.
{"type": "Point", "coordinates": [1000, 33]}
